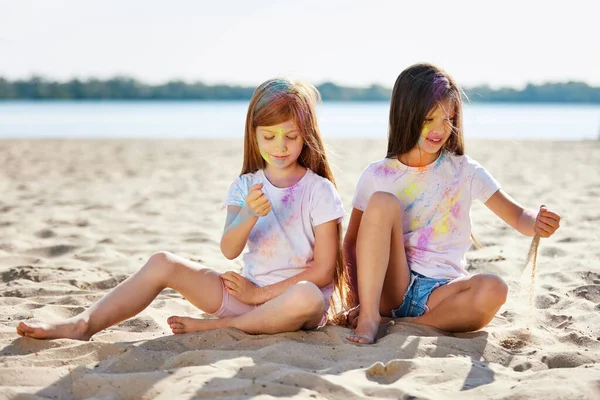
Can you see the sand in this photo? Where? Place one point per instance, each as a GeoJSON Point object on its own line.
{"type": "Point", "coordinates": [77, 217]}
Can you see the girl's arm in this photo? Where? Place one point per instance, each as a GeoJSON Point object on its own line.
{"type": "Point", "coordinates": [321, 273]}
{"type": "Point", "coordinates": [350, 250]}
{"type": "Point", "coordinates": [241, 220]}
{"type": "Point", "coordinates": [239, 223]}
{"type": "Point", "coordinates": [528, 222]}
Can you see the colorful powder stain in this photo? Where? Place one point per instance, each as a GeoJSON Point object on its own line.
{"type": "Point", "coordinates": [411, 190]}
{"type": "Point", "coordinates": [269, 245]}
{"type": "Point", "coordinates": [425, 237]}
{"type": "Point", "coordinates": [448, 207]}
{"type": "Point", "coordinates": [386, 169]}
{"type": "Point", "coordinates": [288, 197]}
{"type": "Point", "coordinates": [266, 156]}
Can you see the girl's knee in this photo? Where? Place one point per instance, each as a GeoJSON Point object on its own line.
{"type": "Point", "coordinates": [383, 203]}
{"type": "Point", "coordinates": [491, 289]}
{"type": "Point", "coordinates": [306, 298]}
{"type": "Point", "coordinates": [159, 258]}
{"type": "Point", "coordinates": [162, 262]}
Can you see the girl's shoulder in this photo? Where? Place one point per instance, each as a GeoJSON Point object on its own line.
{"type": "Point", "coordinates": [463, 160]}
{"type": "Point", "coordinates": [383, 166]}
{"type": "Point", "coordinates": [251, 177]}
{"type": "Point", "coordinates": [317, 182]}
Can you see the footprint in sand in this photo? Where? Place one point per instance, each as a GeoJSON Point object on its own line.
{"type": "Point", "coordinates": [588, 292]}
{"type": "Point", "coordinates": [591, 277]}
{"type": "Point", "coordinates": [566, 360]}
{"type": "Point", "coordinates": [139, 324]}
{"type": "Point", "coordinates": [545, 301]}
{"type": "Point", "coordinates": [22, 272]}
{"type": "Point", "coordinates": [522, 367]}
{"type": "Point", "coordinates": [390, 372]}
{"type": "Point", "coordinates": [513, 343]}
{"type": "Point", "coordinates": [514, 340]}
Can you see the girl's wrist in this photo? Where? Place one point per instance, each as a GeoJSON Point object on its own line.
{"type": "Point", "coordinates": [259, 295]}
{"type": "Point", "coordinates": [248, 214]}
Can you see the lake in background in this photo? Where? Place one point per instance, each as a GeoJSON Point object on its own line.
{"type": "Point", "coordinates": [209, 119]}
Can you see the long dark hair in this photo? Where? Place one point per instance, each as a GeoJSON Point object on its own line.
{"type": "Point", "coordinates": [418, 89]}
{"type": "Point", "coordinates": [279, 100]}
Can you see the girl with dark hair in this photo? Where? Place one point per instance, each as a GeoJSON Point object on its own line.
{"type": "Point", "coordinates": [411, 226]}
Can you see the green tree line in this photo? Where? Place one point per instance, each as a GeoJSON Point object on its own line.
{"type": "Point", "coordinates": [125, 88]}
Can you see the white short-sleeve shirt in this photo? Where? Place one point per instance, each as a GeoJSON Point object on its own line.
{"type": "Point", "coordinates": [281, 243]}
{"type": "Point", "coordinates": [436, 200]}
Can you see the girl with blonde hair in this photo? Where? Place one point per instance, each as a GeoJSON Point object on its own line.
{"type": "Point", "coordinates": [284, 208]}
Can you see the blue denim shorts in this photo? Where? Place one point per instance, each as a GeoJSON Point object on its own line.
{"type": "Point", "coordinates": [417, 294]}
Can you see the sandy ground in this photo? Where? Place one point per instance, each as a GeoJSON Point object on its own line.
{"type": "Point", "coordinates": [77, 217]}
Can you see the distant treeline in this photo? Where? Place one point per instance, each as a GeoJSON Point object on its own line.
{"type": "Point", "coordinates": [123, 88]}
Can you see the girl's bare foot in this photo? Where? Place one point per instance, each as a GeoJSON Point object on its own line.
{"type": "Point", "coordinates": [70, 329]}
{"type": "Point", "coordinates": [187, 325]}
{"type": "Point", "coordinates": [365, 332]}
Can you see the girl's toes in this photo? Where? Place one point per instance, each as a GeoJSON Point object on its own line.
{"type": "Point", "coordinates": [176, 325]}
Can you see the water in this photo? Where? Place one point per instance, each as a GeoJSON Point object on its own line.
{"type": "Point", "coordinates": [98, 119]}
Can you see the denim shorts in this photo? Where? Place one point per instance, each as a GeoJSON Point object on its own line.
{"type": "Point", "coordinates": [417, 294]}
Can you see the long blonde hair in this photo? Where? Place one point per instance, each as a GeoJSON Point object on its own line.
{"type": "Point", "coordinates": [279, 100]}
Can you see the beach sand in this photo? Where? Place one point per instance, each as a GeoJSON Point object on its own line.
{"type": "Point", "coordinates": [77, 217]}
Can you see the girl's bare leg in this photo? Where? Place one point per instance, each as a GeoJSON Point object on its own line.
{"type": "Point", "coordinates": [300, 307]}
{"type": "Point", "coordinates": [383, 273]}
{"type": "Point", "coordinates": [200, 286]}
{"type": "Point", "coordinates": [465, 304]}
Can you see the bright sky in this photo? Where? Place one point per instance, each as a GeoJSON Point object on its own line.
{"type": "Point", "coordinates": [354, 43]}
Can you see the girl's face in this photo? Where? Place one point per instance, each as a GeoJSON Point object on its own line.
{"type": "Point", "coordinates": [437, 127]}
{"type": "Point", "coordinates": [280, 145]}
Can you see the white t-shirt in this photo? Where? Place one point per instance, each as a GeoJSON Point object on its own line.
{"type": "Point", "coordinates": [436, 200]}
{"type": "Point", "coordinates": [281, 243]}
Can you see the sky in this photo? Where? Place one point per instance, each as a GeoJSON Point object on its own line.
{"type": "Point", "coordinates": [351, 43]}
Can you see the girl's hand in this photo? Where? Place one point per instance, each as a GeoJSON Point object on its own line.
{"type": "Point", "coordinates": [240, 287]}
{"type": "Point", "coordinates": [547, 222]}
{"type": "Point", "coordinates": [257, 201]}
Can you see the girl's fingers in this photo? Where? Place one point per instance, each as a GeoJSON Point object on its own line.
{"type": "Point", "coordinates": [231, 285]}
{"type": "Point", "coordinates": [262, 199]}
{"type": "Point", "coordinates": [544, 231]}
{"type": "Point", "coordinates": [550, 214]}
{"type": "Point", "coordinates": [264, 210]}
{"type": "Point", "coordinates": [230, 291]}
{"type": "Point", "coordinates": [257, 186]}
{"type": "Point", "coordinates": [253, 196]}
{"type": "Point", "coordinates": [226, 276]}
{"type": "Point", "coordinates": [258, 203]}
{"type": "Point", "coordinates": [543, 225]}
{"type": "Point", "coordinates": [549, 221]}
{"type": "Point", "coordinates": [261, 207]}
